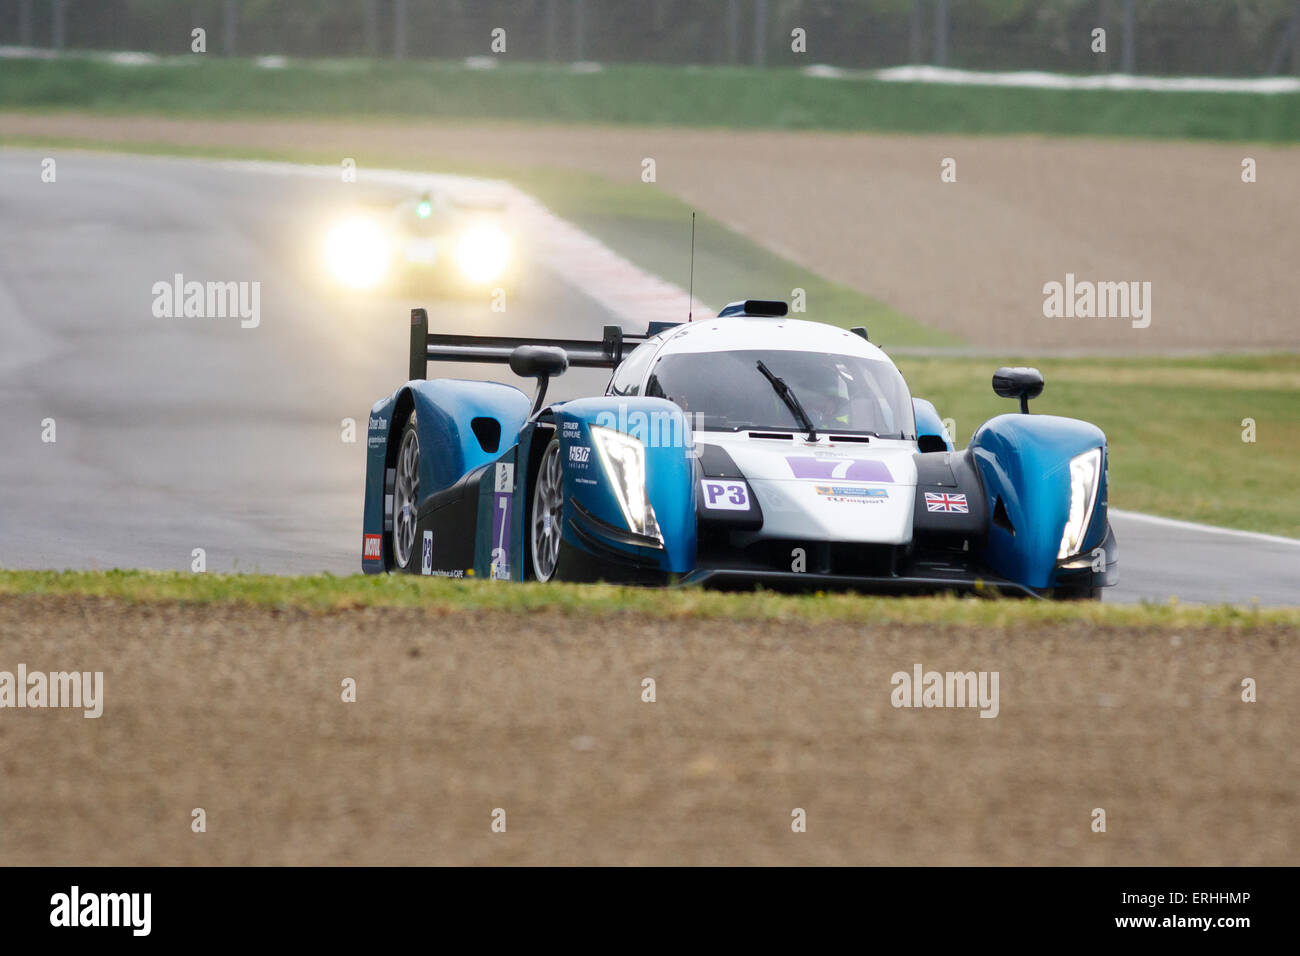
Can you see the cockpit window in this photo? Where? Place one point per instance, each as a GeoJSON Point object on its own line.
{"type": "Point", "coordinates": [725, 391]}
{"type": "Point", "coordinates": [627, 377]}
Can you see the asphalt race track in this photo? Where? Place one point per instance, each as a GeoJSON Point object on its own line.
{"type": "Point", "coordinates": [175, 433]}
{"type": "Point", "coordinates": [181, 433]}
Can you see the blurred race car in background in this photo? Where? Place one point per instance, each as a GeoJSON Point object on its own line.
{"type": "Point", "coordinates": [433, 244]}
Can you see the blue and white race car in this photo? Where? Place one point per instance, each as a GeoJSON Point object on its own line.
{"type": "Point", "coordinates": [747, 449]}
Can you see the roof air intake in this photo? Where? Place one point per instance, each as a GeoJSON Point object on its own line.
{"type": "Point", "coordinates": [756, 307]}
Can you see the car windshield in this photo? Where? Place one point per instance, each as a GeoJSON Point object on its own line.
{"type": "Point", "coordinates": [725, 391]}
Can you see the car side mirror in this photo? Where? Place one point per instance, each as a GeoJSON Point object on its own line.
{"type": "Point", "coordinates": [1019, 382]}
{"type": "Point", "coordinates": [541, 362]}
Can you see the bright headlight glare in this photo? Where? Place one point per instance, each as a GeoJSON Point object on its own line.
{"type": "Point", "coordinates": [1085, 479]}
{"type": "Point", "coordinates": [357, 253]}
{"type": "Point", "coordinates": [623, 458]}
{"type": "Point", "coordinates": [482, 252]}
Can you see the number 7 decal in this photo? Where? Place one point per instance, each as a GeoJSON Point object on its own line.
{"type": "Point", "coordinates": [500, 531]}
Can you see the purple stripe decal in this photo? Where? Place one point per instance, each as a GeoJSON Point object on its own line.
{"type": "Point", "coordinates": [842, 468]}
{"type": "Point", "coordinates": [501, 532]}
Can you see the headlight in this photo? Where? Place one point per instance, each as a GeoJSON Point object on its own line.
{"type": "Point", "coordinates": [623, 458]}
{"type": "Point", "coordinates": [482, 252]}
{"type": "Point", "coordinates": [1085, 479]}
{"type": "Point", "coordinates": [357, 253]}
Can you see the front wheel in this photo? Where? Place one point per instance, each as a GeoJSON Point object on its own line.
{"type": "Point", "coordinates": [548, 503]}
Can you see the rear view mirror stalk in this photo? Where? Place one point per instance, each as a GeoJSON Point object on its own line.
{"type": "Point", "coordinates": [1018, 382]}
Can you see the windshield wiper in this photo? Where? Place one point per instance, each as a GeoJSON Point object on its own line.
{"type": "Point", "coordinates": [790, 400]}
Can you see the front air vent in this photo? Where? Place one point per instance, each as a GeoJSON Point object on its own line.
{"type": "Point", "coordinates": [770, 435]}
{"type": "Point", "coordinates": [930, 443]}
{"type": "Point", "coordinates": [859, 438]}
{"type": "Point", "coordinates": [488, 432]}
{"type": "Point", "coordinates": [1002, 519]}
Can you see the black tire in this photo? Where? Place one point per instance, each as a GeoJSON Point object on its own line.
{"type": "Point", "coordinates": [406, 499]}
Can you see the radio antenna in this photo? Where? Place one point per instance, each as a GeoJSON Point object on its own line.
{"type": "Point", "coordinates": [690, 306]}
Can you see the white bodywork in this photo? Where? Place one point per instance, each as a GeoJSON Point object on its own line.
{"type": "Point", "coordinates": [825, 490]}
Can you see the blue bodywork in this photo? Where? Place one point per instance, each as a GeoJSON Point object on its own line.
{"type": "Point", "coordinates": [446, 410]}
{"type": "Point", "coordinates": [670, 475]}
{"type": "Point", "coordinates": [480, 451]}
{"type": "Point", "coordinates": [451, 449]}
{"type": "Point", "coordinates": [1025, 461]}
{"type": "Point", "coordinates": [928, 422]}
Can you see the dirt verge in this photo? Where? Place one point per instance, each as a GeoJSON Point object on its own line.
{"type": "Point", "coordinates": [238, 711]}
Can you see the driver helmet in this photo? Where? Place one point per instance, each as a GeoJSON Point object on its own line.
{"type": "Point", "coordinates": [823, 393]}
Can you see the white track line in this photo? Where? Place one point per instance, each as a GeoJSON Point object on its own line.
{"type": "Point", "coordinates": [1036, 79]}
{"type": "Point", "coordinates": [1207, 528]}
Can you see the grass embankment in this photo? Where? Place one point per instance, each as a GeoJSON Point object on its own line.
{"type": "Point", "coordinates": [328, 593]}
{"type": "Point", "coordinates": [733, 97]}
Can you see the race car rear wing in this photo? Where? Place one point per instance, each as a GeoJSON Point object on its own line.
{"type": "Point", "coordinates": [428, 347]}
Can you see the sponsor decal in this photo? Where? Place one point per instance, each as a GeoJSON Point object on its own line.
{"type": "Point", "coordinates": [426, 554]}
{"type": "Point", "coordinates": [946, 502]}
{"type": "Point", "coordinates": [372, 547]}
{"type": "Point", "coordinates": [379, 425]}
{"type": "Point", "coordinates": [853, 492]}
{"type": "Point", "coordinates": [852, 495]}
{"type": "Point", "coordinates": [505, 477]}
{"type": "Point", "coordinates": [846, 469]}
{"type": "Point", "coordinates": [579, 454]}
{"type": "Point", "coordinates": [570, 429]}
{"type": "Point", "coordinates": [725, 495]}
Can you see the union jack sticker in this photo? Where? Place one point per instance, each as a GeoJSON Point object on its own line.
{"type": "Point", "coordinates": [946, 502]}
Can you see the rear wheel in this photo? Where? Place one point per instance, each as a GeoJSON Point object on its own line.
{"type": "Point", "coordinates": [548, 503]}
{"type": "Point", "coordinates": [406, 490]}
